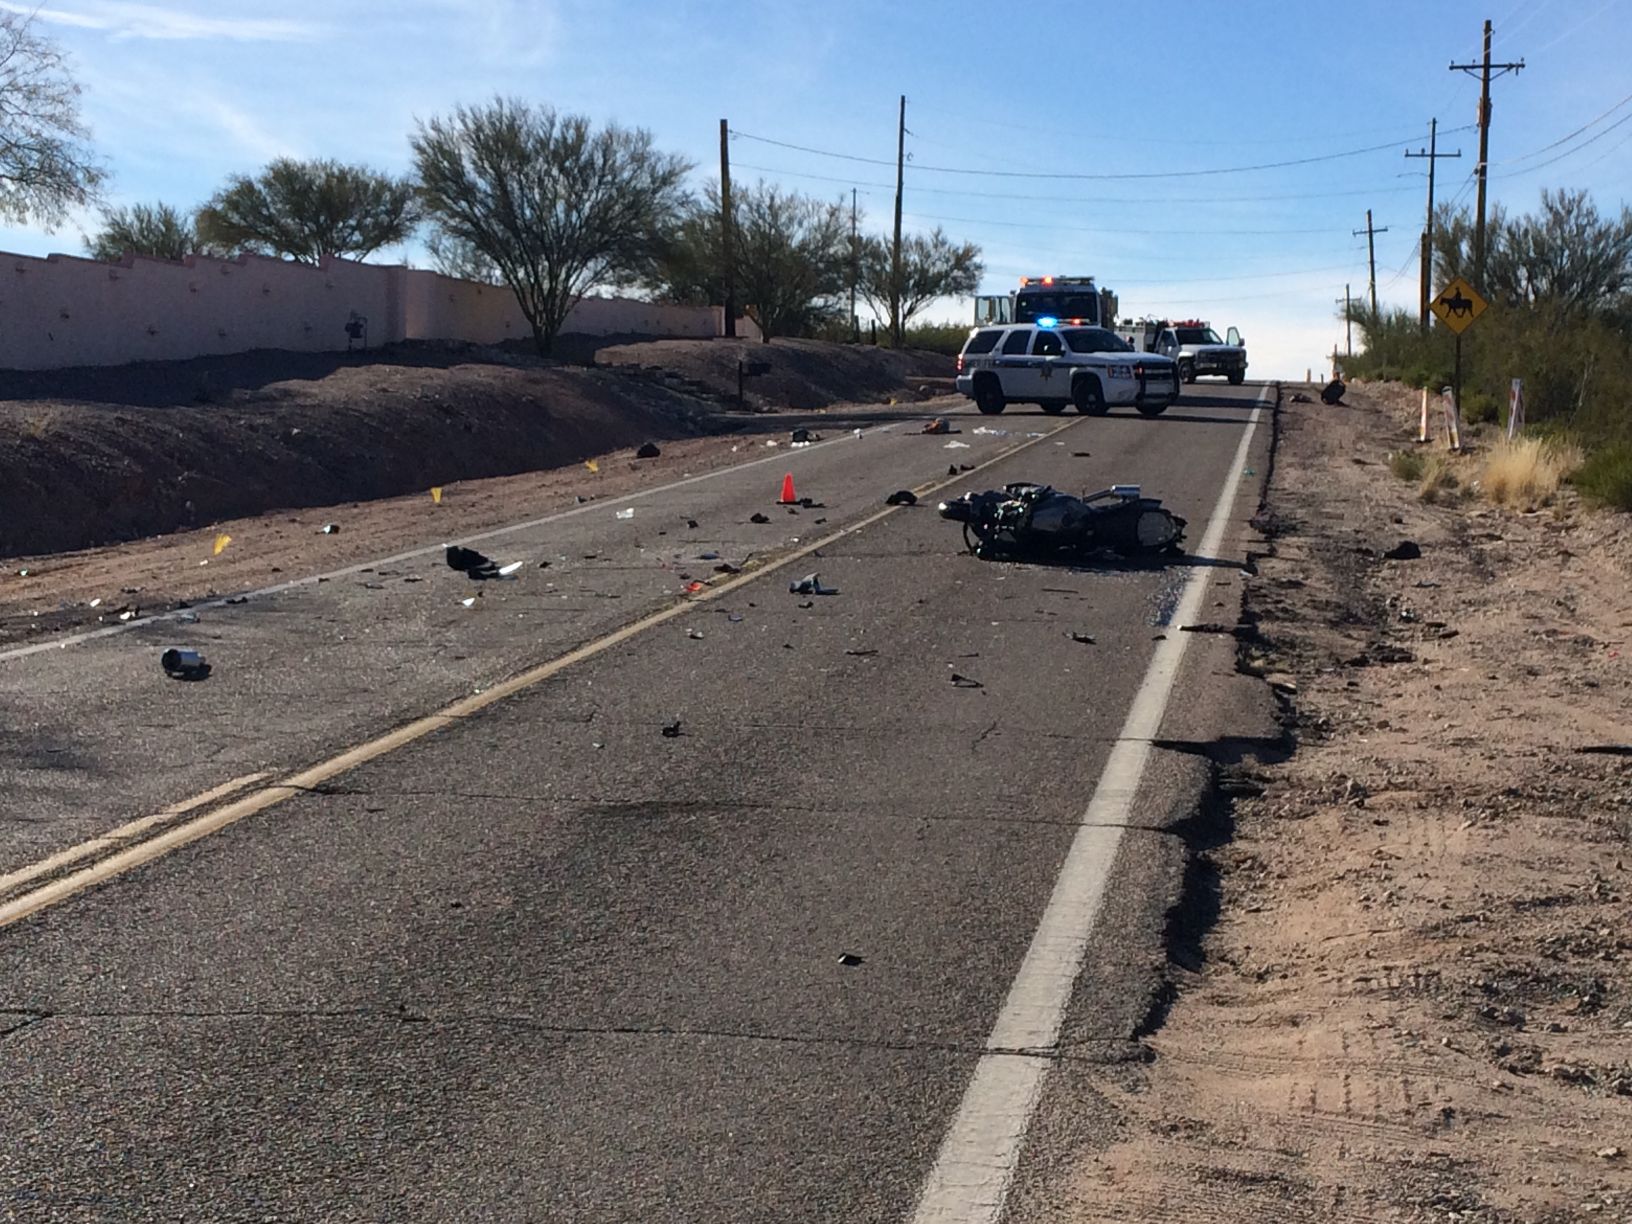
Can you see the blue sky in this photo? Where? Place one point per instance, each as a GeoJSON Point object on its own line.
{"type": "Point", "coordinates": [180, 94]}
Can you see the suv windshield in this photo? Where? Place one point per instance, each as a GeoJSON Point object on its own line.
{"type": "Point", "coordinates": [1198, 335]}
{"type": "Point", "coordinates": [1096, 340]}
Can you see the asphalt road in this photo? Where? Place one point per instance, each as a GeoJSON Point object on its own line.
{"type": "Point", "coordinates": [545, 962]}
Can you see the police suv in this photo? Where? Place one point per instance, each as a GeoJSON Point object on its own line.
{"type": "Point", "coordinates": [1059, 365]}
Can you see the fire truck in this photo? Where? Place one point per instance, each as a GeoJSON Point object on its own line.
{"type": "Point", "coordinates": [1192, 343]}
{"type": "Point", "coordinates": [1059, 299]}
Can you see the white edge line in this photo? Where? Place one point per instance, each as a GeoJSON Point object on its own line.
{"type": "Point", "coordinates": [969, 1182]}
{"type": "Point", "coordinates": [492, 533]}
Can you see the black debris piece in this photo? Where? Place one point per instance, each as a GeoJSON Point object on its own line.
{"type": "Point", "coordinates": [902, 497]}
{"type": "Point", "coordinates": [470, 562]}
{"type": "Point", "coordinates": [725, 567]}
{"type": "Point", "coordinates": [757, 517]}
{"type": "Point", "coordinates": [1619, 750]}
{"type": "Point", "coordinates": [850, 960]}
{"type": "Point", "coordinates": [951, 469]}
{"type": "Point", "coordinates": [1081, 455]}
{"type": "Point", "coordinates": [965, 681]}
{"type": "Point", "coordinates": [1332, 392]}
{"type": "Point", "coordinates": [861, 654]}
{"type": "Point", "coordinates": [1405, 550]}
{"type": "Point", "coordinates": [810, 503]}
{"type": "Point", "coordinates": [648, 450]}
{"type": "Point", "coordinates": [237, 599]}
{"type": "Point", "coordinates": [1087, 639]}
{"type": "Point", "coordinates": [691, 524]}
{"type": "Point", "coordinates": [329, 529]}
{"type": "Point", "coordinates": [802, 435]}
{"type": "Point", "coordinates": [809, 603]}
{"type": "Point", "coordinates": [1298, 397]}
{"type": "Point", "coordinates": [182, 663]}
{"type": "Point", "coordinates": [671, 730]}
{"type": "Point", "coordinates": [810, 584]}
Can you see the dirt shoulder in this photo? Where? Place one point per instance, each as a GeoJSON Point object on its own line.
{"type": "Point", "coordinates": [1416, 1003]}
{"type": "Point", "coordinates": [94, 456]}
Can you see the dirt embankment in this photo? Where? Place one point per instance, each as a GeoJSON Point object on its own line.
{"type": "Point", "coordinates": [92, 456]}
{"type": "Point", "coordinates": [1416, 1003]}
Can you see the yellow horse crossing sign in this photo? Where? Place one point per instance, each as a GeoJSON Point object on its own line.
{"type": "Point", "coordinates": [1458, 305]}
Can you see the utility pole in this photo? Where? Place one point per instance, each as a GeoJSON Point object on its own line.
{"type": "Point", "coordinates": [1484, 69]}
{"type": "Point", "coordinates": [1432, 153]}
{"type": "Point", "coordinates": [855, 269]}
{"type": "Point", "coordinates": [1371, 253]}
{"type": "Point", "coordinates": [727, 271]}
{"type": "Point", "coordinates": [1348, 323]}
{"type": "Point", "coordinates": [895, 248]}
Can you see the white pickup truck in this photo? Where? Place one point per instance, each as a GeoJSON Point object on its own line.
{"type": "Point", "coordinates": [1057, 366]}
{"type": "Point", "coordinates": [1193, 344]}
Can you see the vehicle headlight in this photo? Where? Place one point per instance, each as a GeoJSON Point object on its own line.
{"type": "Point", "coordinates": [1119, 371]}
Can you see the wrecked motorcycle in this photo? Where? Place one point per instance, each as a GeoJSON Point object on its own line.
{"type": "Point", "coordinates": [1033, 520]}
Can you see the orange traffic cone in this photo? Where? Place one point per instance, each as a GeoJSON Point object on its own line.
{"type": "Point", "coordinates": [787, 498]}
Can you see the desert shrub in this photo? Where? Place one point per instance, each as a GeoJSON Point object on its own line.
{"type": "Point", "coordinates": [936, 337]}
{"type": "Point", "coordinates": [1525, 474]}
{"type": "Point", "coordinates": [1605, 476]}
{"type": "Point", "coordinates": [1407, 465]}
{"type": "Point", "coordinates": [1440, 482]}
{"type": "Point", "coordinates": [1479, 408]}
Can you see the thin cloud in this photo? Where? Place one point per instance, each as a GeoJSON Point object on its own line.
{"type": "Point", "coordinates": [127, 19]}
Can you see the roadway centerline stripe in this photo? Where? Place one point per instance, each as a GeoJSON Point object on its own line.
{"type": "Point", "coordinates": [176, 836]}
{"type": "Point", "coordinates": [974, 1169]}
{"type": "Point", "coordinates": [125, 832]}
{"type": "Point", "coordinates": [493, 533]}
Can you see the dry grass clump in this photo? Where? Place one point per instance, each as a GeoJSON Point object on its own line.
{"type": "Point", "coordinates": [1525, 474]}
{"type": "Point", "coordinates": [1440, 480]}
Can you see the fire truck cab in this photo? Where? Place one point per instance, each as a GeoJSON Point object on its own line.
{"type": "Point", "coordinates": [1067, 300]}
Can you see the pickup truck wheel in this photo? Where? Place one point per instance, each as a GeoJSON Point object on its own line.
{"type": "Point", "coordinates": [1237, 377]}
{"type": "Point", "coordinates": [1187, 371]}
{"type": "Point", "coordinates": [1088, 397]}
{"type": "Point", "coordinates": [1053, 408]}
{"type": "Point", "coordinates": [989, 395]}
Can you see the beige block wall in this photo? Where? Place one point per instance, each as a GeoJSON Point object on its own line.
{"type": "Point", "coordinates": [62, 310]}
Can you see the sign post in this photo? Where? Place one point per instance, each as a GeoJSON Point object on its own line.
{"type": "Point", "coordinates": [1457, 306]}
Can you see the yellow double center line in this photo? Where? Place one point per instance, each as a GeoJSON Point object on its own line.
{"type": "Point", "coordinates": [130, 856]}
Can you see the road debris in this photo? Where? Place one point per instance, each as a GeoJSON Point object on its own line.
{"type": "Point", "coordinates": [1087, 639]}
{"type": "Point", "coordinates": [810, 584]}
{"type": "Point", "coordinates": [757, 517]}
{"type": "Point", "coordinates": [691, 524]}
{"type": "Point", "coordinates": [804, 437]}
{"type": "Point", "coordinates": [961, 681]}
{"type": "Point", "coordinates": [476, 566]}
{"type": "Point", "coordinates": [902, 497]}
{"type": "Point", "coordinates": [695, 635]}
{"type": "Point", "coordinates": [469, 602]}
{"type": "Point", "coordinates": [861, 654]}
{"type": "Point", "coordinates": [436, 495]}
{"type": "Point", "coordinates": [329, 529]}
{"type": "Point", "coordinates": [628, 512]}
{"type": "Point", "coordinates": [592, 465]}
{"type": "Point", "coordinates": [725, 567]}
{"type": "Point", "coordinates": [671, 730]}
{"type": "Point", "coordinates": [648, 450]}
{"type": "Point", "coordinates": [850, 960]}
{"type": "Point", "coordinates": [1332, 392]}
{"type": "Point", "coordinates": [184, 663]}
{"type": "Point", "coordinates": [1405, 550]}
{"type": "Point", "coordinates": [956, 446]}
{"type": "Point", "coordinates": [130, 614]}
{"type": "Point", "coordinates": [936, 426]}
{"type": "Point", "coordinates": [221, 542]}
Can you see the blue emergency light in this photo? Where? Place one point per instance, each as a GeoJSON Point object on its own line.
{"type": "Point", "coordinates": [1046, 321]}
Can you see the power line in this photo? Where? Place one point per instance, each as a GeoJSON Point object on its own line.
{"type": "Point", "coordinates": [1118, 229]}
{"type": "Point", "coordinates": [1060, 175]}
{"type": "Point", "coordinates": [1604, 8]}
{"type": "Point", "coordinates": [1068, 200]}
{"type": "Point", "coordinates": [1567, 152]}
{"type": "Point", "coordinates": [1143, 139]}
{"type": "Point", "coordinates": [1570, 136]}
